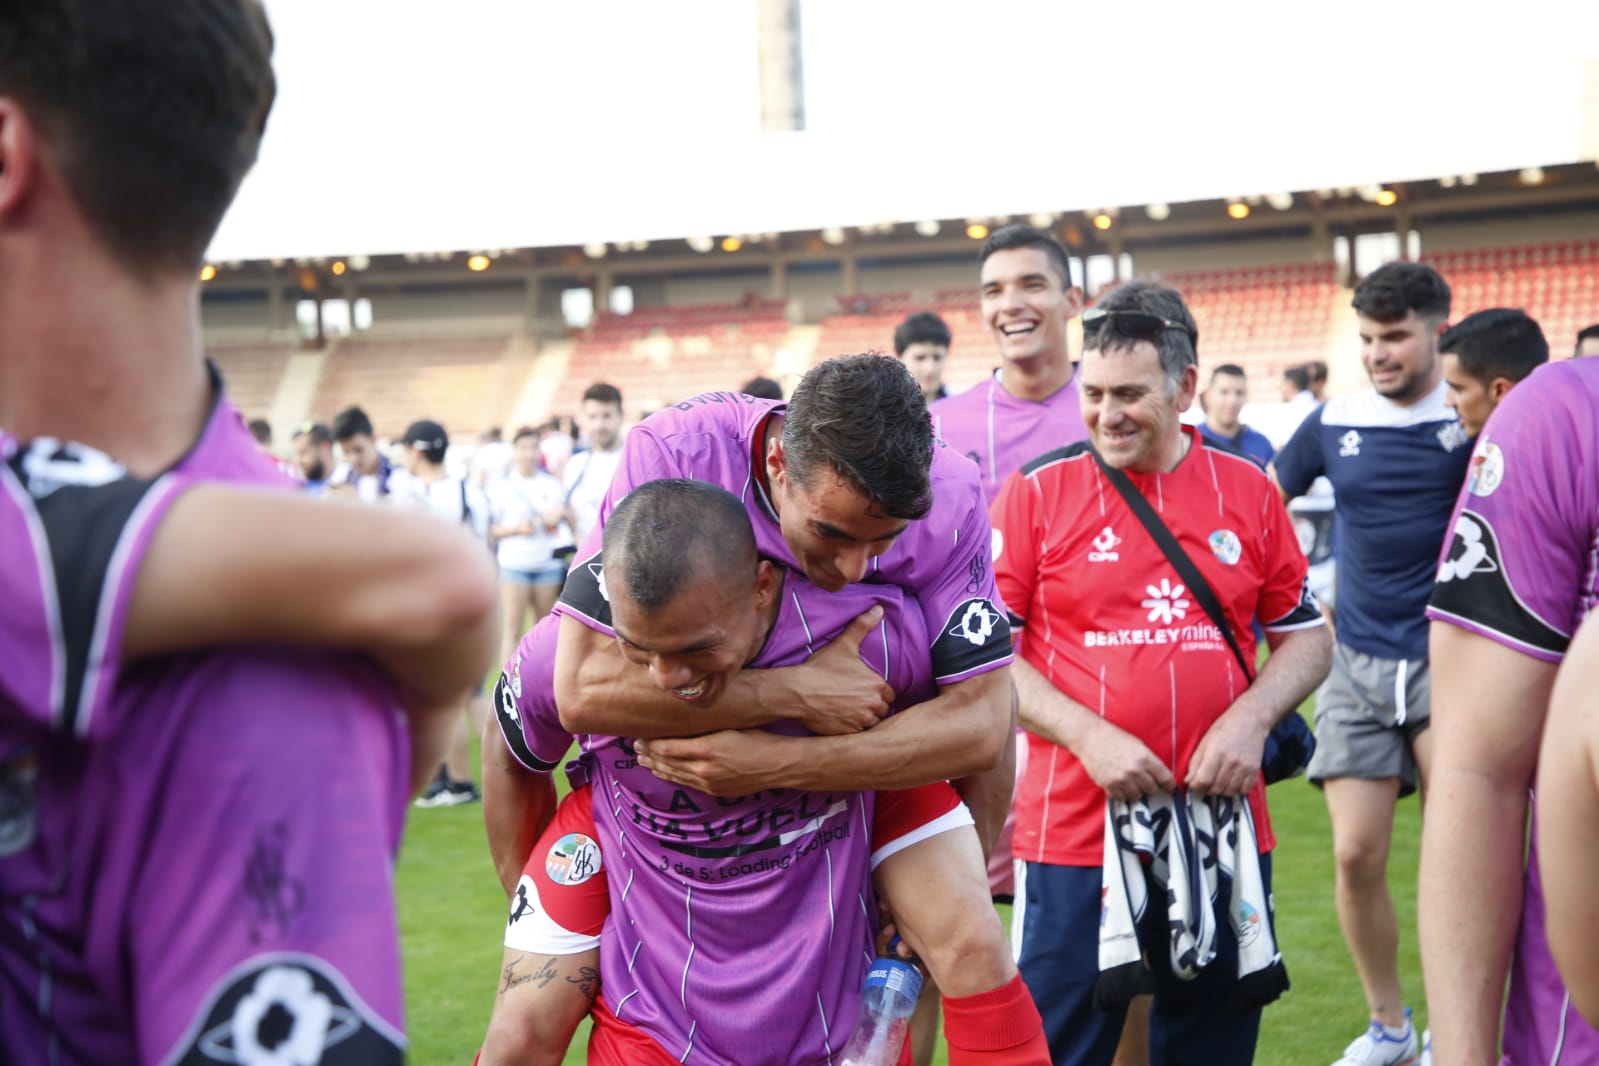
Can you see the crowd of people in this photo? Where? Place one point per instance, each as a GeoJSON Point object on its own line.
{"type": "Point", "coordinates": [858, 662]}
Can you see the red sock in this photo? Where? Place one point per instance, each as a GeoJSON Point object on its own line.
{"type": "Point", "coordinates": [998, 1028]}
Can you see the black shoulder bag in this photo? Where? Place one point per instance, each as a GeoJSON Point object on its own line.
{"type": "Point", "coordinates": [1290, 744]}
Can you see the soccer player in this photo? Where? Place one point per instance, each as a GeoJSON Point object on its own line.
{"type": "Point", "coordinates": [1516, 579]}
{"type": "Point", "coordinates": [922, 344]}
{"type": "Point", "coordinates": [364, 469]}
{"type": "Point", "coordinates": [588, 474]}
{"type": "Point", "coordinates": [1485, 354]}
{"type": "Point", "coordinates": [197, 850]}
{"type": "Point", "coordinates": [1126, 688]}
{"type": "Point", "coordinates": [1029, 405]}
{"type": "Point", "coordinates": [1224, 401]}
{"type": "Point", "coordinates": [1396, 456]}
{"type": "Point", "coordinates": [690, 599]}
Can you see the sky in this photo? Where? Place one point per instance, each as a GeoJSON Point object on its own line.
{"type": "Point", "coordinates": [484, 124]}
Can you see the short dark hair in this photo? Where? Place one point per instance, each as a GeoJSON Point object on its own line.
{"type": "Point", "coordinates": [1586, 334]}
{"type": "Point", "coordinates": [317, 431]}
{"type": "Point", "coordinates": [525, 431]}
{"type": "Point", "coordinates": [863, 417]}
{"type": "Point", "coordinates": [1393, 290]}
{"type": "Point", "coordinates": [1500, 342]}
{"type": "Point", "coordinates": [349, 423]}
{"type": "Point", "coordinates": [155, 109]}
{"type": "Point", "coordinates": [1317, 369]}
{"type": "Point", "coordinates": [603, 393]}
{"type": "Point", "coordinates": [1176, 348]}
{"type": "Point", "coordinates": [669, 535]}
{"type": "Point", "coordinates": [1230, 369]}
{"type": "Point", "coordinates": [1007, 238]}
{"type": "Point", "coordinates": [764, 388]}
{"type": "Point", "coordinates": [261, 430]}
{"type": "Point", "coordinates": [923, 327]}
{"type": "Point", "coordinates": [1299, 376]}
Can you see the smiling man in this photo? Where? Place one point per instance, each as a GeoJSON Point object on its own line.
{"type": "Point", "coordinates": [1125, 689]}
{"type": "Point", "coordinates": [1484, 355]}
{"type": "Point", "coordinates": [1396, 456]}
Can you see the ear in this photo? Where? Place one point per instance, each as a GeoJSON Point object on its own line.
{"type": "Point", "coordinates": [765, 583]}
{"type": "Point", "coordinates": [18, 157]}
{"type": "Point", "coordinates": [776, 463]}
{"type": "Point", "coordinates": [1187, 388]}
{"type": "Point", "coordinates": [1498, 387]}
{"type": "Point", "coordinates": [1074, 301]}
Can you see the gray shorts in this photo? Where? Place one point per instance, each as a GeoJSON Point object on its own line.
{"type": "Point", "coordinates": [1369, 712]}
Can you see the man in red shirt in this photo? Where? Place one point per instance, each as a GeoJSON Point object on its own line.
{"type": "Point", "coordinates": [1127, 689]}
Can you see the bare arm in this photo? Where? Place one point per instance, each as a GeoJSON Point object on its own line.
{"type": "Point", "coordinates": [1488, 706]}
{"type": "Point", "coordinates": [600, 692]}
{"type": "Point", "coordinates": [1568, 821]}
{"type": "Point", "coordinates": [1118, 762]}
{"type": "Point", "coordinates": [1227, 760]}
{"type": "Point", "coordinates": [962, 732]}
{"type": "Point", "coordinates": [517, 806]}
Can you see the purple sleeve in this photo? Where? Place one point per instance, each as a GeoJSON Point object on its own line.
{"type": "Point", "coordinates": [1522, 558]}
{"type": "Point", "coordinates": [524, 701]}
{"type": "Point", "coordinates": [953, 578]}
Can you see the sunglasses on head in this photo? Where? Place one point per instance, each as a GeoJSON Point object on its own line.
{"type": "Point", "coordinates": [1139, 325]}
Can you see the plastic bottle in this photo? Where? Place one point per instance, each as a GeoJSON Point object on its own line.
{"type": "Point", "coordinates": [888, 1001]}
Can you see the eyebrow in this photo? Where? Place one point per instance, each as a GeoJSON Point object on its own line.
{"type": "Point", "coordinates": [686, 650]}
{"type": "Point", "coordinates": [838, 534]}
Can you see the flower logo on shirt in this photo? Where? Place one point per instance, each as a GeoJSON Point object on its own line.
{"type": "Point", "coordinates": [1166, 603]}
{"type": "Point", "coordinates": [976, 624]}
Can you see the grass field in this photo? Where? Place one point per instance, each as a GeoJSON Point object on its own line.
{"type": "Point", "coordinates": [452, 910]}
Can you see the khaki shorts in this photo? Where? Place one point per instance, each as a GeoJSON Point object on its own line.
{"type": "Point", "coordinates": [1369, 712]}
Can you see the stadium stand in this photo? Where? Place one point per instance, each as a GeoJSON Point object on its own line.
{"type": "Point", "coordinates": [457, 380]}
{"type": "Point", "coordinates": [252, 371]}
{"type": "Point", "coordinates": [1556, 283]}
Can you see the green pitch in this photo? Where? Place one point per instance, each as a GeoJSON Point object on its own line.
{"type": "Point", "coordinates": [452, 911]}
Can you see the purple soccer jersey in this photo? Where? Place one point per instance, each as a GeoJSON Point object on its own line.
{"type": "Point", "coordinates": [195, 850]}
{"type": "Point", "coordinates": [696, 880]}
{"type": "Point", "coordinates": [1001, 433]}
{"type": "Point", "coordinates": [1521, 567]}
{"type": "Point", "coordinates": [942, 560]}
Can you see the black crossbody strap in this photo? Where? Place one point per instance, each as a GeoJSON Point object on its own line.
{"type": "Point", "coordinates": [1167, 542]}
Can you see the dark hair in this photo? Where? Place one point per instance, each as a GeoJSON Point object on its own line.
{"type": "Point", "coordinates": [525, 431]}
{"type": "Point", "coordinates": [923, 327]}
{"type": "Point", "coordinates": [261, 430]}
{"type": "Point", "coordinates": [1299, 376]}
{"type": "Point", "coordinates": [1393, 290]}
{"type": "Point", "coordinates": [155, 109]}
{"type": "Point", "coordinates": [1501, 342]}
{"type": "Point", "coordinates": [1230, 369]}
{"type": "Point", "coordinates": [1317, 371]}
{"type": "Point", "coordinates": [1586, 334]}
{"type": "Point", "coordinates": [764, 388]}
{"type": "Point", "coordinates": [603, 393]}
{"type": "Point", "coordinates": [864, 417]}
{"type": "Point", "coordinates": [1019, 236]}
{"type": "Point", "coordinates": [351, 422]}
{"type": "Point", "coordinates": [1176, 350]}
{"type": "Point", "coordinates": [317, 431]}
{"type": "Point", "coordinates": [672, 534]}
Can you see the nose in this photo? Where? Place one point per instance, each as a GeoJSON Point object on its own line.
{"type": "Point", "coordinates": [853, 561]}
{"type": "Point", "coordinates": [668, 673]}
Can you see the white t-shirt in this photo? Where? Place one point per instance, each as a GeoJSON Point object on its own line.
{"type": "Point", "coordinates": [451, 499]}
{"type": "Point", "coordinates": [516, 499]}
{"type": "Point", "coordinates": [588, 477]}
{"type": "Point", "coordinates": [491, 462]}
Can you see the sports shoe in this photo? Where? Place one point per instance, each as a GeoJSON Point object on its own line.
{"type": "Point", "coordinates": [430, 796]}
{"type": "Point", "coordinates": [1425, 1059]}
{"type": "Point", "coordinates": [452, 795]}
{"type": "Point", "coordinates": [1375, 1047]}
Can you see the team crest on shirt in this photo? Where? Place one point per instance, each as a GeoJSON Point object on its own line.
{"type": "Point", "coordinates": [573, 859]}
{"type": "Point", "coordinates": [1248, 925]}
{"type": "Point", "coordinates": [287, 1009]}
{"type": "Point", "coordinates": [1487, 469]}
{"type": "Point", "coordinates": [1452, 435]}
{"type": "Point", "coordinates": [1349, 444]}
{"type": "Point", "coordinates": [19, 802]}
{"type": "Point", "coordinates": [1225, 545]}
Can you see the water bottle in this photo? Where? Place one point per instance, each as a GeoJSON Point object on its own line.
{"type": "Point", "coordinates": [888, 1001]}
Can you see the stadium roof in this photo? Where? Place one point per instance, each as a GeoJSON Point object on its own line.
{"type": "Point", "coordinates": [541, 125]}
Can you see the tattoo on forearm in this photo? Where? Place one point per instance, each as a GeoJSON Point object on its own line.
{"type": "Point", "coordinates": [587, 979]}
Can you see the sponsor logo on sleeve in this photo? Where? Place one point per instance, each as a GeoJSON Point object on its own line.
{"type": "Point", "coordinates": [1487, 469]}
{"type": "Point", "coordinates": [289, 1010]}
{"type": "Point", "coordinates": [1469, 553]}
{"type": "Point", "coordinates": [573, 859]}
{"type": "Point", "coordinates": [977, 622]}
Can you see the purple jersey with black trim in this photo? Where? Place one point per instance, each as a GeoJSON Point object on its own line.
{"type": "Point", "coordinates": [195, 850]}
{"type": "Point", "coordinates": [1002, 433]}
{"type": "Point", "coordinates": [1521, 567]}
{"type": "Point", "coordinates": [942, 560]}
{"type": "Point", "coordinates": [741, 927]}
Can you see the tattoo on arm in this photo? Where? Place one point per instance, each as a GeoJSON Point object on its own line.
{"type": "Point", "coordinates": [587, 979]}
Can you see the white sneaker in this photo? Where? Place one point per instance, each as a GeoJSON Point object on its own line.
{"type": "Point", "coordinates": [1425, 1059]}
{"type": "Point", "coordinates": [1375, 1047]}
